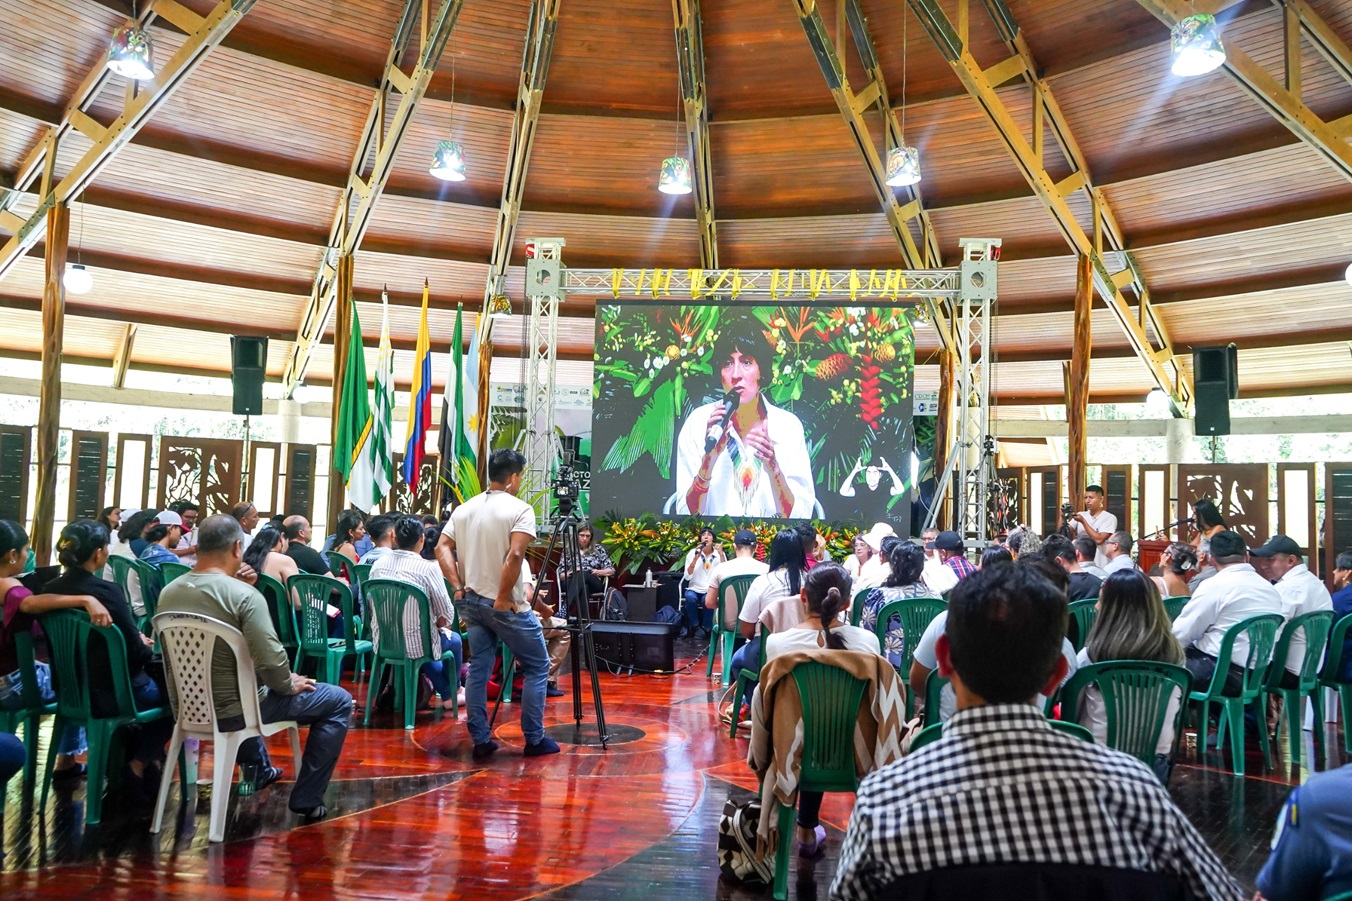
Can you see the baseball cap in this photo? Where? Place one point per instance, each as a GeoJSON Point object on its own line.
{"type": "Point", "coordinates": [1277, 544]}
{"type": "Point", "coordinates": [945, 541]}
{"type": "Point", "coordinates": [744, 538]}
{"type": "Point", "coordinates": [168, 518]}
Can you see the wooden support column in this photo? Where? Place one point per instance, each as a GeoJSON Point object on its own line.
{"type": "Point", "coordinates": [49, 400]}
{"type": "Point", "coordinates": [342, 337]}
{"type": "Point", "coordinates": [943, 426]}
{"type": "Point", "coordinates": [1077, 382]}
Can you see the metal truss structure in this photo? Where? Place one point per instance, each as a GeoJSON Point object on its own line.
{"type": "Point", "coordinates": [966, 295]}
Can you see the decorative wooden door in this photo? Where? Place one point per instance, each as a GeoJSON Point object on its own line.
{"type": "Point", "coordinates": [204, 470]}
{"type": "Point", "coordinates": [88, 474]}
{"type": "Point", "coordinates": [16, 455]}
{"type": "Point", "coordinates": [1240, 491]}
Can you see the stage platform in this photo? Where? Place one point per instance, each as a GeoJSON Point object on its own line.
{"type": "Point", "coordinates": [418, 818]}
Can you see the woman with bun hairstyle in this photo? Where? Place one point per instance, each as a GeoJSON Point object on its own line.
{"type": "Point", "coordinates": [1178, 564]}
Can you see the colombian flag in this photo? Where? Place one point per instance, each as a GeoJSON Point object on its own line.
{"type": "Point", "coordinates": [420, 403]}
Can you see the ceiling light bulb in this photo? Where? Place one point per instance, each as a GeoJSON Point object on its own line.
{"type": "Point", "coordinates": [78, 279]}
{"type": "Point", "coordinates": [1348, 274]}
{"type": "Point", "coordinates": [1196, 43]}
{"type": "Point", "coordinates": [903, 166]}
{"type": "Point", "coordinates": [675, 177]}
{"type": "Point", "coordinates": [1157, 402]}
{"type": "Point", "coordinates": [449, 163]}
{"type": "Point", "coordinates": [132, 53]}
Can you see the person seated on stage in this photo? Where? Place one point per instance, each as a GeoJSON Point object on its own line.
{"type": "Point", "coordinates": [1178, 563]}
{"type": "Point", "coordinates": [1233, 595]}
{"type": "Point", "coordinates": [1085, 552]}
{"type": "Point", "coordinates": [1061, 551]}
{"type": "Point", "coordinates": [212, 590]}
{"type": "Point", "coordinates": [266, 554]}
{"type": "Point", "coordinates": [862, 554]}
{"type": "Point", "coordinates": [595, 564]}
{"type": "Point", "coordinates": [1131, 625]}
{"type": "Point", "coordinates": [1117, 548]}
{"type": "Point", "coordinates": [825, 595]}
{"type": "Point", "coordinates": [743, 563]}
{"type": "Point", "coordinates": [784, 581]}
{"type": "Point", "coordinates": [19, 607]}
{"type": "Point", "coordinates": [1001, 787]}
{"type": "Point", "coordinates": [380, 529]}
{"type": "Point", "coordinates": [351, 529]}
{"type": "Point", "coordinates": [1312, 848]}
{"type": "Point", "coordinates": [406, 564]}
{"type": "Point", "coordinates": [699, 565]}
{"type": "Point", "coordinates": [904, 582]}
{"type": "Point", "coordinates": [1342, 606]}
{"type": "Point", "coordinates": [82, 549]}
{"type": "Point", "coordinates": [555, 628]}
{"type": "Point", "coordinates": [246, 515]}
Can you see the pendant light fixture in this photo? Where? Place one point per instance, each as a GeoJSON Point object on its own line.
{"type": "Point", "coordinates": [77, 279]}
{"type": "Point", "coordinates": [1348, 274]}
{"type": "Point", "coordinates": [448, 163]}
{"type": "Point", "coordinates": [675, 176]}
{"type": "Point", "coordinates": [1157, 402]}
{"type": "Point", "coordinates": [131, 53]}
{"type": "Point", "coordinates": [903, 161]}
{"type": "Point", "coordinates": [1196, 45]}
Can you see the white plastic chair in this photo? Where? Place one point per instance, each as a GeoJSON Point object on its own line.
{"type": "Point", "coordinates": [188, 640]}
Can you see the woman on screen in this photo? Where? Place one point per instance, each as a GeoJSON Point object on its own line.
{"type": "Point", "coordinates": [751, 460]}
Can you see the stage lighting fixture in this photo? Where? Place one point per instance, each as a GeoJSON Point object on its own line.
{"type": "Point", "coordinates": [132, 53]}
{"type": "Point", "coordinates": [903, 166]}
{"type": "Point", "coordinates": [675, 177]}
{"type": "Point", "coordinates": [1196, 43]}
{"type": "Point", "coordinates": [449, 163]}
{"type": "Point", "coordinates": [77, 279]}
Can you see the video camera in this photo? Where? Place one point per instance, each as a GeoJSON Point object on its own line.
{"type": "Point", "coordinates": [567, 484]}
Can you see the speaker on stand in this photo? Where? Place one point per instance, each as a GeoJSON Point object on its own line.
{"type": "Point", "coordinates": [1215, 379]}
{"type": "Point", "coordinates": [248, 370]}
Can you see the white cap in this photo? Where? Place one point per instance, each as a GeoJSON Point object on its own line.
{"type": "Point", "coordinates": [169, 518]}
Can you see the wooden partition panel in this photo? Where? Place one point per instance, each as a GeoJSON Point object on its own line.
{"type": "Point", "coordinates": [131, 474]}
{"type": "Point", "coordinates": [1240, 491]}
{"type": "Point", "coordinates": [1116, 482]}
{"type": "Point", "coordinates": [265, 477]}
{"type": "Point", "coordinates": [1154, 506]}
{"type": "Point", "coordinates": [16, 457]}
{"type": "Point", "coordinates": [1015, 491]}
{"type": "Point", "coordinates": [299, 496]}
{"type": "Point", "coordinates": [1296, 508]}
{"type": "Point", "coordinates": [1044, 497]}
{"type": "Point", "coordinates": [88, 474]}
{"type": "Point", "coordinates": [429, 489]}
{"type": "Point", "coordinates": [1337, 514]}
{"type": "Point", "coordinates": [204, 470]}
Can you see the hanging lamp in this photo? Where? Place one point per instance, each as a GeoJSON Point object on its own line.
{"type": "Point", "coordinates": [903, 160]}
{"type": "Point", "coordinates": [132, 53]}
{"type": "Point", "coordinates": [1196, 45]}
{"type": "Point", "coordinates": [448, 163]}
{"type": "Point", "coordinates": [77, 279]}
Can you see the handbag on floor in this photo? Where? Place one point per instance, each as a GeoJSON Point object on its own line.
{"type": "Point", "coordinates": [737, 844]}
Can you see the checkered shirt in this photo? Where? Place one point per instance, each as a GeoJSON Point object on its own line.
{"type": "Point", "coordinates": [960, 565]}
{"type": "Point", "coordinates": [1001, 787]}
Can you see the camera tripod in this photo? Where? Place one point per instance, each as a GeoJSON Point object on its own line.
{"type": "Point", "coordinates": [574, 608]}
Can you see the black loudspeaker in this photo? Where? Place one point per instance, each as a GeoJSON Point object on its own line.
{"type": "Point", "coordinates": [248, 369]}
{"type": "Point", "coordinates": [647, 647]}
{"type": "Point", "coordinates": [1215, 378]}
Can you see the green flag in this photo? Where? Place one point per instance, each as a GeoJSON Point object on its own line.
{"type": "Point", "coordinates": [354, 407]}
{"type": "Point", "coordinates": [373, 470]}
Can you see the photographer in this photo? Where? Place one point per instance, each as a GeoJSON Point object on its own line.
{"type": "Point", "coordinates": [1094, 522]}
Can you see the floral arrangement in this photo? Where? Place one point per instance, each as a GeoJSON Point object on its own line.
{"type": "Point", "coordinates": [646, 540]}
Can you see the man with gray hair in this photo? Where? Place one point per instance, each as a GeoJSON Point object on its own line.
{"type": "Point", "coordinates": [1205, 568]}
{"type": "Point", "coordinates": [1118, 551]}
{"type": "Point", "coordinates": [211, 589]}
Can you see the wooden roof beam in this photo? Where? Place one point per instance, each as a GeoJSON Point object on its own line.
{"type": "Point", "coordinates": [379, 145]}
{"type": "Point", "coordinates": [1136, 324]}
{"type": "Point", "coordinates": [695, 99]}
{"type": "Point", "coordinates": [107, 142]}
{"type": "Point", "coordinates": [122, 359]}
{"type": "Point", "coordinates": [1280, 94]}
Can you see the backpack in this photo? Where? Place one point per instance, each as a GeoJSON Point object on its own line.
{"type": "Point", "coordinates": [737, 844]}
{"type": "Point", "coordinates": [616, 607]}
{"type": "Point", "coordinates": [667, 615]}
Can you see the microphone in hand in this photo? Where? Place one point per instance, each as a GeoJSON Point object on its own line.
{"type": "Point", "coordinates": [711, 438]}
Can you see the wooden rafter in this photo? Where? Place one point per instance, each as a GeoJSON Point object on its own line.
{"type": "Point", "coordinates": [122, 359]}
{"type": "Point", "coordinates": [379, 145]}
{"type": "Point", "coordinates": [540, 29]}
{"type": "Point", "coordinates": [1110, 282]}
{"type": "Point", "coordinates": [1280, 94]}
{"type": "Point", "coordinates": [695, 99]}
{"type": "Point", "coordinates": [204, 33]}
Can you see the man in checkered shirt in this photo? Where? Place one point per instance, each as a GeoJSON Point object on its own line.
{"type": "Point", "coordinates": [1000, 786]}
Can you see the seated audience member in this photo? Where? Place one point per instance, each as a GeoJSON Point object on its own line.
{"type": "Point", "coordinates": [1342, 606]}
{"type": "Point", "coordinates": [246, 515]}
{"type": "Point", "coordinates": [1205, 567]}
{"type": "Point", "coordinates": [1085, 552]}
{"type": "Point", "coordinates": [1177, 565]}
{"type": "Point", "coordinates": [964, 801]}
{"type": "Point", "coordinates": [1280, 561]}
{"type": "Point", "coordinates": [743, 563]}
{"type": "Point", "coordinates": [82, 550]}
{"type": "Point", "coordinates": [1233, 595]}
{"type": "Point", "coordinates": [697, 571]}
{"type": "Point", "coordinates": [110, 518]}
{"type": "Point", "coordinates": [267, 554]}
{"type": "Point", "coordinates": [118, 546]}
{"type": "Point", "coordinates": [1023, 540]}
{"type": "Point", "coordinates": [874, 572]}
{"type": "Point", "coordinates": [163, 534]}
{"type": "Point", "coordinates": [1312, 849]}
{"type": "Point", "coordinates": [137, 529]}
{"type": "Point", "coordinates": [784, 581]}
{"type": "Point", "coordinates": [1118, 551]}
{"type": "Point", "coordinates": [406, 564]}
{"type": "Point", "coordinates": [1131, 625]}
{"type": "Point", "coordinates": [926, 658]}
{"type": "Point", "coordinates": [1081, 585]}
{"type": "Point", "coordinates": [12, 758]}
{"type": "Point", "coordinates": [298, 548]}
{"type": "Point", "coordinates": [212, 590]}
{"type": "Point", "coordinates": [554, 628]}
{"type": "Point", "coordinates": [904, 582]}
{"type": "Point", "coordinates": [814, 546]}
{"type": "Point", "coordinates": [362, 545]}
{"type": "Point", "coordinates": [938, 577]}
{"type": "Point", "coordinates": [949, 547]}
{"type": "Point", "coordinates": [187, 512]}
{"type": "Point", "coordinates": [861, 555]}
{"type": "Point", "coordinates": [431, 535]}
{"type": "Point", "coordinates": [595, 564]}
{"type": "Point", "coordinates": [994, 556]}
{"type": "Point", "coordinates": [380, 529]}
{"type": "Point", "coordinates": [825, 594]}
{"type": "Point", "coordinates": [20, 608]}
{"type": "Point", "coordinates": [350, 530]}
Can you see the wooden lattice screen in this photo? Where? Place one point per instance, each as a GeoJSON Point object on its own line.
{"type": "Point", "coordinates": [88, 474]}
{"type": "Point", "coordinates": [1239, 490]}
{"type": "Point", "coordinates": [16, 454]}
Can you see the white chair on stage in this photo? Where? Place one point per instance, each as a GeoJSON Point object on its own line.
{"type": "Point", "coordinates": [188, 640]}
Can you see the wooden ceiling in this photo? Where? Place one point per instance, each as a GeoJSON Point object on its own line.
{"type": "Point", "coordinates": [213, 221]}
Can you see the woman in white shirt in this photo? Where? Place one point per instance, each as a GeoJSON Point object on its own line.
{"type": "Point", "coordinates": [862, 554]}
{"type": "Point", "coordinates": [826, 593]}
{"type": "Point", "coordinates": [1131, 625]}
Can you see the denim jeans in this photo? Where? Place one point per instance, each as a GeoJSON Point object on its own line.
{"type": "Point", "coordinates": [746, 657]}
{"type": "Point", "coordinates": [327, 711]}
{"type": "Point", "coordinates": [72, 740]}
{"type": "Point", "coordinates": [522, 634]}
{"type": "Point", "coordinates": [12, 757]}
{"type": "Point", "coordinates": [696, 614]}
{"type": "Point", "coordinates": [437, 672]}
{"type": "Point", "coordinates": [150, 737]}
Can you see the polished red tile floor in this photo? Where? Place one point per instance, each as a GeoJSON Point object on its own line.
{"type": "Point", "coordinates": [417, 817]}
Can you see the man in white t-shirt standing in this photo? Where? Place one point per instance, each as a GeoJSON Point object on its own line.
{"type": "Point", "coordinates": [699, 567]}
{"type": "Point", "coordinates": [743, 563]}
{"type": "Point", "coordinates": [489, 534]}
{"type": "Point", "coordinates": [1095, 522]}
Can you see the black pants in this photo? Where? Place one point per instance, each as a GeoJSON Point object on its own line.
{"type": "Point", "coordinates": [809, 809]}
{"type": "Point", "coordinates": [1202, 666]}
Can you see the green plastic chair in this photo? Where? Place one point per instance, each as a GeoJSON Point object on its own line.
{"type": "Point", "coordinates": [935, 731]}
{"type": "Point", "coordinates": [1328, 678]}
{"type": "Point", "coordinates": [123, 567]}
{"type": "Point", "coordinates": [30, 712]}
{"type": "Point", "coordinates": [389, 599]}
{"type": "Point", "coordinates": [830, 698]}
{"type": "Point", "coordinates": [313, 626]}
{"type": "Point", "coordinates": [731, 588]}
{"type": "Point", "coordinates": [282, 611]}
{"type": "Point", "coordinates": [1317, 626]}
{"type": "Point", "coordinates": [934, 687]}
{"type": "Point", "coordinates": [68, 637]}
{"type": "Point", "coordinates": [1174, 605]}
{"type": "Point", "coordinates": [152, 583]}
{"type": "Point", "coordinates": [857, 605]}
{"type": "Point", "coordinates": [171, 571]}
{"type": "Point", "coordinates": [1082, 614]}
{"type": "Point", "coordinates": [1136, 696]}
{"type": "Point", "coordinates": [745, 679]}
{"type": "Point", "coordinates": [915, 614]}
{"type": "Point", "coordinates": [362, 571]}
{"type": "Point", "coordinates": [341, 565]}
{"type": "Point", "coordinates": [1262, 635]}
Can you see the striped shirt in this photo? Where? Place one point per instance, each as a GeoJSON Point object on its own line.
{"type": "Point", "coordinates": [410, 567]}
{"type": "Point", "coordinates": [1002, 787]}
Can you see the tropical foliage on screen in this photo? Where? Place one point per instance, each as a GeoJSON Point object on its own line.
{"type": "Point", "coordinates": [646, 540]}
